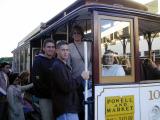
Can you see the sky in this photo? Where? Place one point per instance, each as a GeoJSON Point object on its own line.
{"type": "Point", "coordinates": [19, 17]}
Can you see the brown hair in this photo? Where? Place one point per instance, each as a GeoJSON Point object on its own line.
{"type": "Point", "coordinates": [47, 40]}
{"type": "Point", "coordinates": [23, 75]}
{"type": "Point", "coordinates": [22, 78]}
{"type": "Point", "coordinates": [78, 29]}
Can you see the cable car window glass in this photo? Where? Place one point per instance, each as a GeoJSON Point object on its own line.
{"type": "Point", "coordinates": [115, 48]}
{"type": "Point", "coordinates": [22, 53]}
{"type": "Point", "coordinates": [149, 50]}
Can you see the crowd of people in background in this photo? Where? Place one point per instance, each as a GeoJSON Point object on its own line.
{"type": "Point", "coordinates": [12, 87]}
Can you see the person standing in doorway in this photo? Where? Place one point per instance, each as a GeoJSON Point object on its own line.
{"type": "Point", "coordinates": [40, 78]}
{"type": "Point", "coordinates": [76, 61]}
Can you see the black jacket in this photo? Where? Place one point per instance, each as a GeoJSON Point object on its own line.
{"type": "Point", "coordinates": [40, 76]}
{"type": "Point", "coordinates": [152, 74]}
{"type": "Point", "coordinates": [64, 89]}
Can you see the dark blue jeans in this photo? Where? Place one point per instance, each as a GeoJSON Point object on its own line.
{"type": "Point", "coordinates": [68, 116]}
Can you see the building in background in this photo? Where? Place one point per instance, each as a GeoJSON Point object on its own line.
{"type": "Point", "coordinates": [154, 6]}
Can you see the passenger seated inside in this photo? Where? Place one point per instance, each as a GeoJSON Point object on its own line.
{"type": "Point", "coordinates": [109, 68]}
{"type": "Point", "coordinates": [151, 70]}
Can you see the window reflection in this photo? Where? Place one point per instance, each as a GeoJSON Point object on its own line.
{"type": "Point", "coordinates": [115, 48]}
{"type": "Point", "coordinates": [149, 50]}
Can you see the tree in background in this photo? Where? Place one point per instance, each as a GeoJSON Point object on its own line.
{"type": "Point", "coordinates": [6, 59]}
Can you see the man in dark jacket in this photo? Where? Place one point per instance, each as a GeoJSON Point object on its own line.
{"type": "Point", "coordinates": [64, 87]}
{"type": "Point", "coordinates": [40, 78]}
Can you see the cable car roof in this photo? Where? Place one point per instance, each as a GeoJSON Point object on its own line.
{"type": "Point", "coordinates": [119, 6]}
{"type": "Point", "coordinates": [119, 3]}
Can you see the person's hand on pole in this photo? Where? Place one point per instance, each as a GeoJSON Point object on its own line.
{"type": "Point", "coordinates": [85, 75]}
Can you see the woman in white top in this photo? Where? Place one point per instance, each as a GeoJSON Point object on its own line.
{"type": "Point", "coordinates": [14, 96]}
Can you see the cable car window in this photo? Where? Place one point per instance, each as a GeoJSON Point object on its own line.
{"type": "Point", "coordinates": [22, 53]}
{"type": "Point", "coordinates": [115, 48]}
{"type": "Point", "coordinates": [149, 50]}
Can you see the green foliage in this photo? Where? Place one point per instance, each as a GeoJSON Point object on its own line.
{"type": "Point", "coordinates": [6, 59]}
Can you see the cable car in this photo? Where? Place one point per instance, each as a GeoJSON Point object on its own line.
{"type": "Point", "coordinates": [122, 31]}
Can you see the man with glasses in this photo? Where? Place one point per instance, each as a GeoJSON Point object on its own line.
{"type": "Point", "coordinates": [110, 66]}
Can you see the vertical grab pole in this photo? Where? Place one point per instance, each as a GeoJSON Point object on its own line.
{"type": "Point", "coordinates": [86, 81]}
